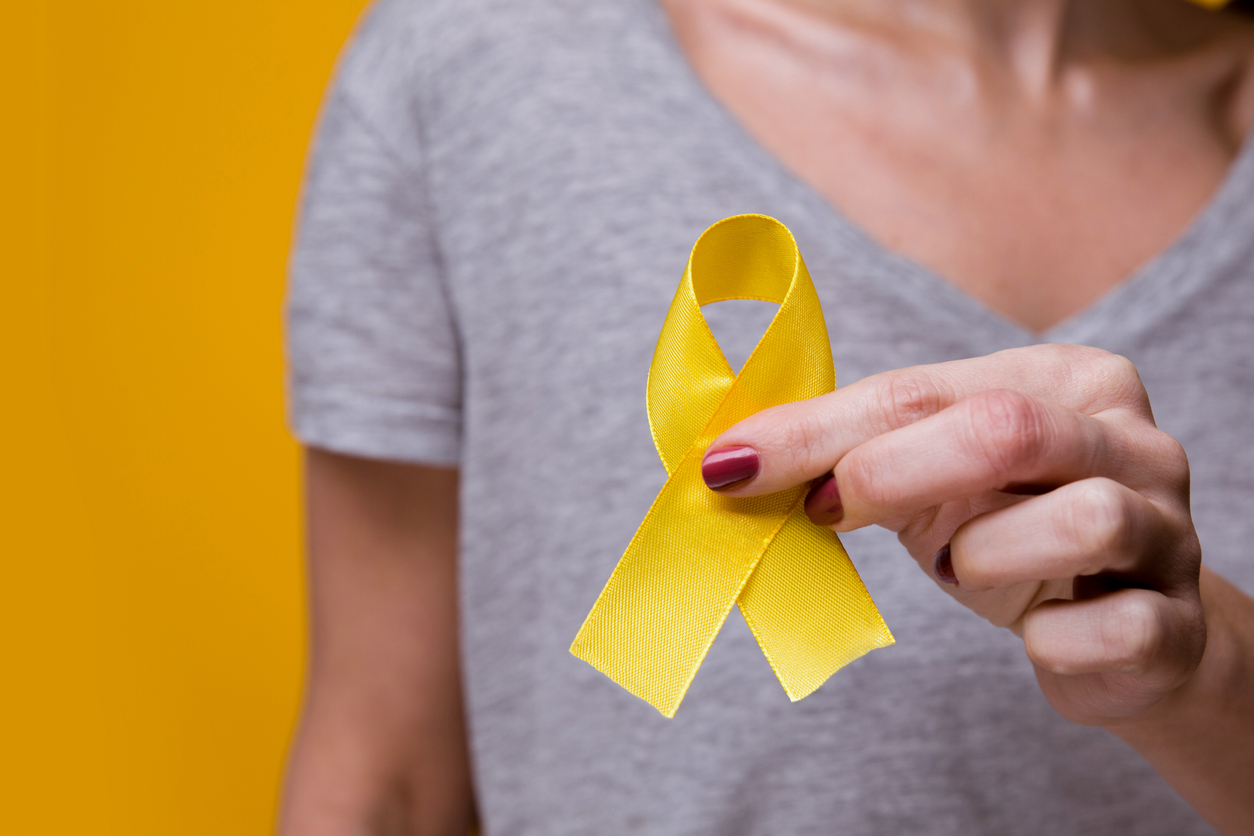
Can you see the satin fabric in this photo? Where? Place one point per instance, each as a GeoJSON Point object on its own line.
{"type": "Point", "coordinates": [697, 553]}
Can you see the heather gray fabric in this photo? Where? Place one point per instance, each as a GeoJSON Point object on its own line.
{"type": "Point", "coordinates": [499, 206]}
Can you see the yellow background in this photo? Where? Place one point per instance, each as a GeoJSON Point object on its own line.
{"type": "Point", "coordinates": [151, 627]}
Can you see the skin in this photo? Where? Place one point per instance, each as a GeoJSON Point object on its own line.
{"type": "Point", "coordinates": [1100, 574]}
{"type": "Point", "coordinates": [1078, 140]}
{"type": "Point", "coordinates": [381, 748]}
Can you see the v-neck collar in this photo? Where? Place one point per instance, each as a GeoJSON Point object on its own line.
{"type": "Point", "coordinates": [1163, 283]}
{"type": "Point", "coordinates": [1141, 299]}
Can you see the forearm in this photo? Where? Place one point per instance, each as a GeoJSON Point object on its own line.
{"type": "Point", "coordinates": [381, 748]}
{"type": "Point", "coordinates": [1201, 736]}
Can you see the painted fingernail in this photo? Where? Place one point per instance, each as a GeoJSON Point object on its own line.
{"type": "Point", "coordinates": [823, 505]}
{"type": "Point", "coordinates": [943, 567]}
{"type": "Point", "coordinates": [1026, 489]}
{"type": "Point", "coordinates": [728, 466]}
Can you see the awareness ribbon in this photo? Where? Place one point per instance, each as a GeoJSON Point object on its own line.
{"type": "Point", "coordinates": [698, 552]}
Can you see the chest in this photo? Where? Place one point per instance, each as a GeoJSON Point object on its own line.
{"type": "Point", "coordinates": [1037, 206]}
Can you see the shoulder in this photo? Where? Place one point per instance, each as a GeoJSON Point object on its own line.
{"type": "Point", "coordinates": [398, 41]}
{"type": "Point", "coordinates": [422, 39]}
{"type": "Point", "coordinates": [403, 55]}
{"type": "Point", "coordinates": [426, 72]}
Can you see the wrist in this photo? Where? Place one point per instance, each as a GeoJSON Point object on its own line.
{"type": "Point", "coordinates": [1198, 736]}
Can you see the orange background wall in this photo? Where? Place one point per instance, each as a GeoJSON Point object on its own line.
{"type": "Point", "coordinates": [151, 627]}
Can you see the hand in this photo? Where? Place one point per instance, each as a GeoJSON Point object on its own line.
{"type": "Point", "coordinates": [1033, 485]}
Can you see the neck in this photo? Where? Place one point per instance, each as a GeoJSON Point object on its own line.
{"type": "Point", "coordinates": [1033, 40]}
{"type": "Point", "coordinates": [1028, 37]}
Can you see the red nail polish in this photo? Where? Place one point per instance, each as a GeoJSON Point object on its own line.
{"type": "Point", "coordinates": [943, 567]}
{"type": "Point", "coordinates": [1027, 489]}
{"type": "Point", "coordinates": [823, 505]}
{"type": "Point", "coordinates": [729, 466]}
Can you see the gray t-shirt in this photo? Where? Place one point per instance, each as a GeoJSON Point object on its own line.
{"type": "Point", "coordinates": [499, 206]}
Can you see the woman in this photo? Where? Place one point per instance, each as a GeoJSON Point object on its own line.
{"type": "Point", "coordinates": [498, 207]}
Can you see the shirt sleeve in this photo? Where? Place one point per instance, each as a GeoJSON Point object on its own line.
{"type": "Point", "coordinates": [372, 354]}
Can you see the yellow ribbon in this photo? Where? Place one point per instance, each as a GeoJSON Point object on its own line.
{"type": "Point", "coordinates": [697, 552]}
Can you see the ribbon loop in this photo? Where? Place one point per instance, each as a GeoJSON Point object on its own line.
{"type": "Point", "coordinates": [698, 553]}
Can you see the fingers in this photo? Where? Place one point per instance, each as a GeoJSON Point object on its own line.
{"type": "Point", "coordinates": [987, 442]}
{"type": "Point", "coordinates": [801, 441]}
{"type": "Point", "coordinates": [1085, 528]}
{"type": "Point", "coordinates": [1138, 632]}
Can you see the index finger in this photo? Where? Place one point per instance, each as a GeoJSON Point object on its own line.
{"type": "Point", "coordinates": [797, 442]}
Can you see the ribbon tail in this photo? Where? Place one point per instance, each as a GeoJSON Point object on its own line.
{"type": "Point", "coordinates": [683, 571]}
{"type": "Point", "coordinates": [807, 607]}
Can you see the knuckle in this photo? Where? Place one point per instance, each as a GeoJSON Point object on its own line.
{"type": "Point", "coordinates": [1064, 362]}
{"type": "Point", "coordinates": [797, 438]}
{"type": "Point", "coordinates": [1111, 379]}
{"type": "Point", "coordinates": [862, 475]}
{"type": "Point", "coordinates": [1070, 355]}
{"type": "Point", "coordinates": [1117, 377]}
{"type": "Point", "coordinates": [908, 396]}
{"type": "Point", "coordinates": [1174, 462]}
{"type": "Point", "coordinates": [1007, 428]}
{"type": "Point", "coordinates": [1099, 520]}
{"type": "Point", "coordinates": [1111, 366]}
{"type": "Point", "coordinates": [1131, 632]}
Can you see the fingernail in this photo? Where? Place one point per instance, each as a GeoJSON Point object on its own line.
{"type": "Point", "coordinates": [727, 466]}
{"type": "Point", "coordinates": [1026, 489]}
{"type": "Point", "coordinates": [943, 567]}
{"type": "Point", "coordinates": [823, 505]}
